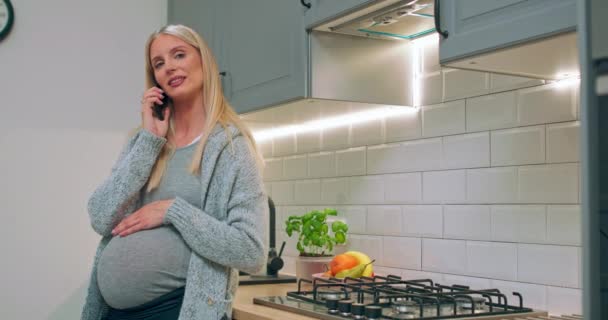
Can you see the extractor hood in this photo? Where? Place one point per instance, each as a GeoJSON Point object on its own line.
{"type": "Point", "coordinates": [387, 20]}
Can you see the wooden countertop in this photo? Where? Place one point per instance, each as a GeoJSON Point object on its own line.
{"type": "Point", "coordinates": [244, 309]}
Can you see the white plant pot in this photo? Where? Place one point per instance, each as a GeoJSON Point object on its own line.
{"type": "Point", "coordinates": [307, 266]}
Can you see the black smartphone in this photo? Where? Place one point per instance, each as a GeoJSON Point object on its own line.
{"type": "Point", "coordinates": [160, 108]}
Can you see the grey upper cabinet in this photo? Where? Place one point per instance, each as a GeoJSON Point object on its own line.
{"type": "Point", "coordinates": [324, 9]}
{"type": "Point", "coordinates": [260, 46]}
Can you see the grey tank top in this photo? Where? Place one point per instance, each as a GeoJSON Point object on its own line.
{"type": "Point", "coordinates": [145, 265]}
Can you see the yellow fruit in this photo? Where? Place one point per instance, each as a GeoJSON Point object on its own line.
{"type": "Point", "coordinates": [355, 272]}
{"type": "Point", "coordinates": [363, 259]}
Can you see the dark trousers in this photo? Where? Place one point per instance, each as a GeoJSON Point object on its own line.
{"type": "Point", "coordinates": [165, 307]}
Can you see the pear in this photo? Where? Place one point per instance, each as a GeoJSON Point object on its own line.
{"type": "Point", "coordinates": [354, 272]}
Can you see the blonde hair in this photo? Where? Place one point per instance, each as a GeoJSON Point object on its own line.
{"type": "Point", "coordinates": [217, 108]}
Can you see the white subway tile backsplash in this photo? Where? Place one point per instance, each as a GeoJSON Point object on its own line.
{"type": "Point", "coordinates": [402, 252]}
{"type": "Point", "coordinates": [367, 133]}
{"type": "Point", "coordinates": [322, 165]}
{"type": "Point", "coordinates": [563, 142]}
{"type": "Point", "coordinates": [371, 245]}
{"type": "Point", "coordinates": [444, 186]}
{"type": "Point", "coordinates": [546, 104]}
{"type": "Point", "coordinates": [494, 111]}
{"type": "Point", "coordinates": [423, 221]}
{"type": "Point", "coordinates": [307, 192]}
{"type": "Point", "coordinates": [564, 225]}
{"type": "Point", "coordinates": [404, 127]}
{"type": "Point", "coordinates": [385, 158]}
{"type": "Point", "coordinates": [334, 138]}
{"type": "Point", "coordinates": [555, 183]}
{"type": "Point", "coordinates": [350, 162]}
{"type": "Point", "coordinates": [282, 192]}
{"type": "Point", "coordinates": [273, 169]}
{"type": "Point", "coordinates": [492, 260]}
{"type": "Point", "coordinates": [308, 141]}
{"type": "Point", "coordinates": [430, 57]}
{"type": "Point", "coordinates": [466, 222]}
{"type": "Point", "coordinates": [492, 185]}
{"type": "Point", "coordinates": [450, 279]}
{"type": "Point", "coordinates": [420, 155]}
{"type": "Point", "coordinates": [501, 82]}
{"type": "Point", "coordinates": [431, 88]}
{"type": "Point", "coordinates": [526, 223]}
{"type": "Point", "coordinates": [443, 119]}
{"type": "Point", "coordinates": [518, 146]}
{"type": "Point", "coordinates": [409, 274]}
{"type": "Point", "coordinates": [550, 265]}
{"type": "Point", "coordinates": [378, 217]}
{"type": "Point", "coordinates": [356, 217]}
{"type": "Point", "coordinates": [366, 190]}
{"type": "Point", "coordinates": [285, 145]}
{"type": "Point", "coordinates": [460, 84]}
{"type": "Point", "coordinates": [265, 147]}
{"type": "Point", "coordinates": [444, 255]}
{"type": "Point", "coordinates": [268, 189]}
{"type": "Point", "coordinates": [564, 301]}
{"type": "Point", "coordinates": [295, 167]}
{"type": "Point", "coordinates": [466, 151]}
{"type": "Point", "coordinates": [334, 191]}
{"type": "Point", "coordinates": [403, 188]}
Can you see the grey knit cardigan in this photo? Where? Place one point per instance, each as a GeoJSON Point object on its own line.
{"type": "Point", "coordinates": [228, 235]}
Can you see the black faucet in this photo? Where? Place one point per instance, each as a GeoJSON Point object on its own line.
{"type": "Point", "coordinates": [275, 263]}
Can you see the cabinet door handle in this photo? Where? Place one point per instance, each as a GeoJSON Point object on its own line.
{"type": "Point", "coordinates": [226, 78]}
{"type": "Point", "coordinates": [307, 5]}
{"type": "Point", "coordinates": [437, 13]}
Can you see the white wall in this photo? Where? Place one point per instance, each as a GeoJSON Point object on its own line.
{"type": "Point", "coordinates": [71, 76]}
{"type": "Point", "coordinates": [481, 187]}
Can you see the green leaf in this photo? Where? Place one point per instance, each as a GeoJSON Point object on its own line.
{"type": "Point", "coordinates": [331, 212]}
{"type": "Point", "coordinates": [289, 231]}
{"type": "Point", "coordinates": [299, 247]}
{"type": "Point", "coordinates": [340, 237]}
{"type": "Point", "coordinates": [306, 241]}
{"type": "Point", "coordinates": [307, 217]}
{"type": "Point", "coordinates": [324, 229]}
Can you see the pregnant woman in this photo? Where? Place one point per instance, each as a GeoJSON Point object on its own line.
{"type": "Point", "coordinates": [183, 208]}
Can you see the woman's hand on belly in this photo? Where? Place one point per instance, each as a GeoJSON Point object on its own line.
{"type": "Point", "coordinates": [149, 216]}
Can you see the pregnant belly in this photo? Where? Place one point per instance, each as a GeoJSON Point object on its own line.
{"type": "Point", "coordinates": [142, 266]}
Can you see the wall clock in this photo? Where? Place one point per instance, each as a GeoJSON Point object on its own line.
{"type": "Point", "coordinates": [7, 18]}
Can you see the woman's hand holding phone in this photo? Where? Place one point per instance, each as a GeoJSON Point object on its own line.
{"type": "Point", "coordinates": [152, 98]}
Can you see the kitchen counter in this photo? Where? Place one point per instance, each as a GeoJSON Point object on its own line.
{"type": "Point", "coordinates": [244, 309]}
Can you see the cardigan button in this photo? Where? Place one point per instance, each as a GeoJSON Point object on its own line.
{"type": "Point", "coordinates": [209, 301]}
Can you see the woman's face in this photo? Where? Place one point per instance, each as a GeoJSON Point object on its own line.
{"type": "Point", "coordinates": [177, 66]}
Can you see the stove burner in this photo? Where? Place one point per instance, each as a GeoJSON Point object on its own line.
{"type": "Point", "coordinates": [465, 304]}
{"type": "Point", "coordinates": [358, 310]}
{"type": "Point", "coordinates": [404, 306]}
{"type": "Point", "coordinates": [344, 307]}
{"type": "Point", "coordinates": [324, 294]}
{"type": "Point", "coordinates": [373, 312]}
{"type": "Point", "coordinates": [332, 305]}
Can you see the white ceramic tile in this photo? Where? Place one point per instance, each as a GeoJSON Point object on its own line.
{"type": "Point", "coordinates": [492, 185]}
{"type": "Point", "coordinates": [268, 189]}
{"type": "Point", "coordinates": [273, 169]}
{"type": "Point", "coordinates": [386, 158]}
{"type": "Point", "coordinates": [322, 165]}
{"type": "Point", "coordinates": [423, 221]}
{"type": "Point", "coordinates": [408, 274]}
{"type": "Point", "coordinates": [492, 260]}
{"type": "Point", "coordinates": [384, 220]}
{"type": "Point", "coordinates": [467, 222]}
{"type": "Point", "coordinates": [471, 282]}
{"type": "Point", "coordinates": [371, 245]}
{"type": "Point", "coordinates": [366, 190]}
{"type": "Point", "coordinates": [501, 82]}
{"type": "Point", "coordinates": [563, 142]}
{"type": "Point", "coordinates": [402, 252]}
{"type": "Point", "coordinates": [466, 151]}
{"type": "Point", "coordinates": [443, 119]}
{"type": "Point", "coordinates": [534, 295]}
{"type": "Point", "coordinates": [444, 255]}
{"type": "Point", "coordinates": [555, 183]}
{"type": "Point", "coordinates": [494, 111]}
{"type": "Point", "coordinates": [282, 192]}
{"type": "Point", "coordinates": [386, 271]}
{"type": "Point", "coordinates": [367, 133]}
{"type": "Point", "coordinates": [518, 146]}
{"type": "Point", "coordinates": [431, 88]}
{"type": "Point", "coordinates": [350, 162]}
{"type": "Point", "coordinates": [265, 147]}
{"type": "Point", "coordinates": [356, 217]}
{"type": "Point", "coordinates": [564, 301]}
{"type": "Point", "coordinates": [564, 225]}
{"type": "Point", "coordinates": [519, 223]}
{"type": "Point", "coordinates": [404, 127]}
{"type": "Point", "coordinates": [307, 191]}
{"type": "Point", "coordinates": [308, 141]}
{"type": "Point", "coordinates": [444, 186]}
{"type": "Point", "coordinates": [295, 167]}
{"type": "Point", "coordinates": [403, 188]}
{"type": "Point", "coordinates": [285, 145]}
{"type": "Point", "coordinates": [460, 84]}
{"type": "Point", "coordinates": [550, 265]}
{"type": "Point", "coordinates": [546, 104]}
{"type": "Point", "coordinates": [430, 56]}
{"type": "Point", "coordinates": [334, 191]}
{"type": "Point", "coordinates": [334, 138]}
{"type": "Point", "coordinates": [421, 155]}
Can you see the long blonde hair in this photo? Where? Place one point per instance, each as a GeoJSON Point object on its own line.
{"type": "Point", "coordinates": [217, 108]}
